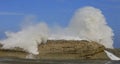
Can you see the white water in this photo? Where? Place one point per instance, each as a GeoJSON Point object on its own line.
{"type": "Point", "coordinates": [63, 37]}
{"type": "Point", "coordinates": [88, 23]}
{"type": "Point", "coordinates": [111, 56]}
{"type": "Point", "coordinates": [28, 38]}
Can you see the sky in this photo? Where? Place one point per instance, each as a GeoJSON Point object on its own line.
{"type": "Point", "coordinates": [13, 13]}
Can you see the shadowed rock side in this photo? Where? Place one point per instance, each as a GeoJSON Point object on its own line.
{"type": "Point", "coordinates": [114, 51]}
{"type": "Point", "coordinates": [62, 49]}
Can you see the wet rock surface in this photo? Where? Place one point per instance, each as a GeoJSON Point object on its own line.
{"type": "Point", "coordinates": [114, 51]}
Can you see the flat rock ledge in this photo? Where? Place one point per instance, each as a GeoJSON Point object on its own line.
{"type": "Point", "coordinates": [62, 49]}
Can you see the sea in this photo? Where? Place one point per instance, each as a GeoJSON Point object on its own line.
{"type": "Point", "coordinates": [45, 61]}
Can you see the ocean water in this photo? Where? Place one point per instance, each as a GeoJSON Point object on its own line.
{"type": "Point", "coordinates": [41, 61]}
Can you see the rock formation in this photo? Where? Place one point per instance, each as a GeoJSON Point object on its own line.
{"type": "Point", "coordinates": [62, 49]}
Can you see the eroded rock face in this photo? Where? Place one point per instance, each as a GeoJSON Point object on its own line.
{"type": "Point", "coordinates": [63, 49]}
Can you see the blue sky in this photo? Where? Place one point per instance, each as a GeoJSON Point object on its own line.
{"type": "Point", "coordinates": [13, 12]}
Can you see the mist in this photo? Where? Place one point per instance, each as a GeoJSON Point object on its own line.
{"type": "Point", "coordinates": [88, 23]}
{"type": "Point", "coordinates": [28, 38]}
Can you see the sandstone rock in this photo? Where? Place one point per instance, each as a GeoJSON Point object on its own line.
{"type": "Point", "coordinates": [62, 49]}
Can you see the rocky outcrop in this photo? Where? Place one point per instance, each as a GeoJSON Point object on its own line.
{"type": "Point", "coordinates": [62, 49]}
